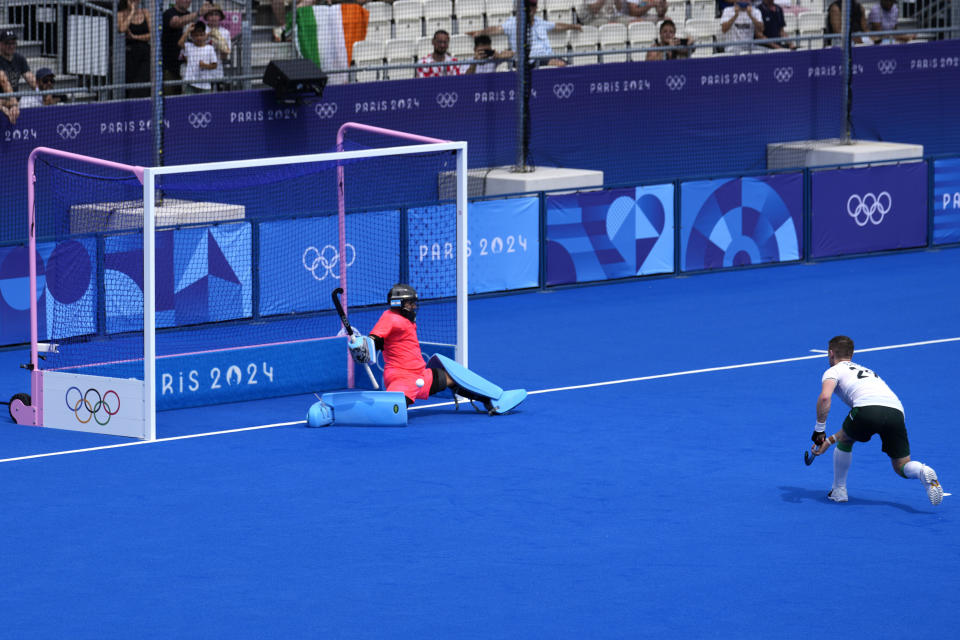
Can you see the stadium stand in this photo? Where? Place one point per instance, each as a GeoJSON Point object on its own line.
{"type": "Point", "coordinates": [43, 29]}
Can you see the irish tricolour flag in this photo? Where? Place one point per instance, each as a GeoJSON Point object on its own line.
{"type": "Point", "coordinates": [326, 35]}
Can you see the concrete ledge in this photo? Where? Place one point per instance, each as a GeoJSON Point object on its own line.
{"type": "Point", "coordinates": [815, 153]}
{"type": "Point", "coordinates": [502, 180]}
{"type": "Point", "coordinates": [495, 181]}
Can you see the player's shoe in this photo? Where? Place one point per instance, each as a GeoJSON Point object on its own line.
{"type": "Point", "coordinates": [934, 491]}
{"type": "Point", "coordinates": [838, 494]}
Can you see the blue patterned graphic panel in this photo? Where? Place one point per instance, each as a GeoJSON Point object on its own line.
{"type": "Point", "coordinates": [946, 201]}
{"type": "Point", "coordinates": [66, 286]}
{"type": "Point", "coordinates": [300, 261]}
{"type": "Point", "coordinates": [601, 235]}
{"type": "Point", "coordinates": [202, 275]}
{"type": "Point", "coordinates": [730, 223]}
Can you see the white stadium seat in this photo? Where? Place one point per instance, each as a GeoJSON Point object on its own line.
{"type": "Point", "coordinates": [469, 15]}
{"type": "Point", "coordinates": [400, 51]}
{"type": "Point", "coordinates": [378, 24]}
{"type": "Point", "coordinates": [437, 14]}
{"type": "Point", "coordinates": [368, 53]}
{"type": "Point", "coordinates": [407, 19]}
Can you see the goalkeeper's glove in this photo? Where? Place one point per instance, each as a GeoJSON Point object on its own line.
{"type": "Point", "coordinates": [819, 433]}
{"type": "Point", "coordinates": [361, 347]}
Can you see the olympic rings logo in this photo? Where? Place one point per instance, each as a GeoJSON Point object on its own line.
{"type": "Point", "coordinates": [325, 110]}
{"type": "Point", "coordinates": [676, 83]}
{"type": "Point", "coordinates": [886, 67]}
{"type": "Point", "coordinates": [870, 208]}
{"type": "Point", "coordinates": [447, 100]}
{"type": "Point", "coordinates": [563, 91]}
{"type": "Point", "coordinates": [328, 258]}
{"type": "Point", "coordinates": [100, 410]}
{"type": "Point", "coordinates": [783, 74]}
{"type": "Point", "coordinates": [68, 130]}
{"type": "Point", "coordinates": [200, 120]}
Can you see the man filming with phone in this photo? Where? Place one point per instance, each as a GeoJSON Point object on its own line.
{"type": "Point", "coordinates": [483, 50]}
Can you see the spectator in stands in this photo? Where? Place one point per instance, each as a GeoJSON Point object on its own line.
{"type": "Point", "coordinates": [134, 22]}
{"type": "Point", "coordinates": [538, 27]}
{"type": "Point", "coordinates": [774, 26]}
{"type": "Point", "coordinates": [483, 50]}
{"type": "Point", "coordinates": [858, 20]}
{"type": "Point", "coordinates": [202, 59]}
{"type": "Point", "coordinates": [13, 67]}
{"type": "Point", "coordinates": [597, 13]}
{"type": "Point", "coordinates": [668, 38]}
{"type": "Point", "coordinates": [45, 80]}
{"type": "Point", "coordinates": [174, 20]}
{"type": "Point", "coordinates": [278, 7]}
{"type": "Point", "coordinates": [652, 10]}
{"type": "Point", "coordinates": [219, 35]}
{"type": "Point", "coordinates": [738, 23]}
{"type": "Point", "coordinates": [441, 41]}
{"type": "Point", "coordinates": [884, 17]}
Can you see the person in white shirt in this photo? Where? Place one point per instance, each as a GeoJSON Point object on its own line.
{"type": "Point", "coordinates": [874, 409]}
{"type": "Point", "coordinates": [884, 17]}
{"type": "Point", "coordinates": [539, 42]}
{"type": "Point", "coordinates": [45, 78]}
{"type": "Point", "coordinates": [202, 60]}
{"type": "Point", "coordinates": [740, 22]}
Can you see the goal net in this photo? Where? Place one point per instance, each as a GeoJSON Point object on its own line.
{"type": "Point", "coordinates": [213, 283]}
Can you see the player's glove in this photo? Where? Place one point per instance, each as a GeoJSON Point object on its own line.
{"type": "Point", "coordinates": [361, 347]}
{"type": "Point", "coordinates": [819, 433]}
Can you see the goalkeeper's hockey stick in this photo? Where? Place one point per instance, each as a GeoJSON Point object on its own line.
{"type": "Point", "coordinates": [346, 327]}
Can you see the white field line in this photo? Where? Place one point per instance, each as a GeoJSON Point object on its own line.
{"type": "Point", "coordinates": [658, 376]}
{"type": "Point", "coordinates": [139, 442]}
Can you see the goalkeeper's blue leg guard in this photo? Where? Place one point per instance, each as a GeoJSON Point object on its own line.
{"type": "Point", "coordinates": [470, 385]}
{"type": "Point", "coordinates": [359, 408]}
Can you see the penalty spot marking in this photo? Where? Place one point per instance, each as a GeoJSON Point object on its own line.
{"type": "Point", "coordinates": [591, 385]}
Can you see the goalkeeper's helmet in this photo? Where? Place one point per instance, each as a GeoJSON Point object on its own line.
{"type": "Point", "coordinates": [400, 293]}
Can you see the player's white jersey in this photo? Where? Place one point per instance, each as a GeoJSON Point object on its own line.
{"type": "Point", "coordinates": [861, 387]}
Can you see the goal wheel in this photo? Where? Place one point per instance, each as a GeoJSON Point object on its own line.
{"type": "Point", "coordinates": [22, 397]}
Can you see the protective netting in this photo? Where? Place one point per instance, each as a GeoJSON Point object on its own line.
{"type": "Point", "coordinates": [243, 257]}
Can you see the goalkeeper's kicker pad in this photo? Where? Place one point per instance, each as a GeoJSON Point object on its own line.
{"type": "Point", "coordinates": [502, 401]}
{"type": "Point", "coordinates": [359, 409]}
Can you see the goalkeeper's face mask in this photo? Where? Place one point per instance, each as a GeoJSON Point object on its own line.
{"type": "Point", "coordinates": [409, 310]}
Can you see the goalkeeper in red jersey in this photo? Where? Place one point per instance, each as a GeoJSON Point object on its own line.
{"type": "Point", "coordinates": [395, 334]}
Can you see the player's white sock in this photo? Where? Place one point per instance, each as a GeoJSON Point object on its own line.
{"type": "Point", "coordinates": [913, 469]}
{"type": "Point", "coordinates": [841, 464]}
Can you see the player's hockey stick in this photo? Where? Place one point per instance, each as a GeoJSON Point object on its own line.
{"type": "Point", "coordinates": [808, 457]}
{"type": "Point", "coordinates": [346, 326]}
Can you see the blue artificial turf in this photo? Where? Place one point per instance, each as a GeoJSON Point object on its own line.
{"type": "Point", "coordinates": [674, 507]}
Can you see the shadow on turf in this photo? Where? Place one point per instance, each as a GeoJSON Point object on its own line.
{"type": "Point", "coordinates": [796, 495]}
